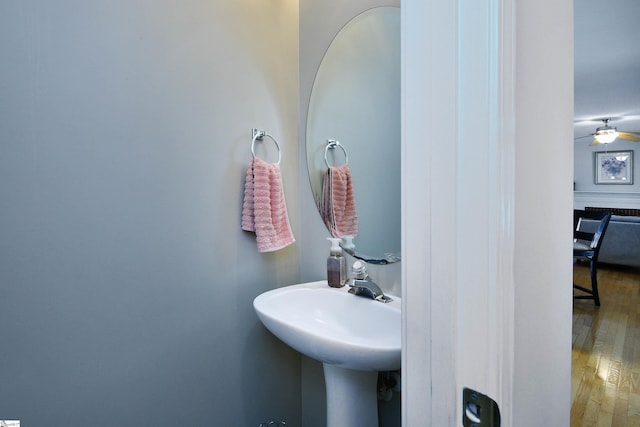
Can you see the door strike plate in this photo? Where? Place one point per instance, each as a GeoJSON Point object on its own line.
{"type": "Point", "coordinates": [479, 410]}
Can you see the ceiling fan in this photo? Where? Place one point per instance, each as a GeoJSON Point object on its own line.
{"type": "Point", "coordinates": [607, 134]}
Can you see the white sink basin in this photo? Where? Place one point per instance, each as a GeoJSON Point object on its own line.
{"type": "Point", "coordinates": [353, 336]}
{"type": "Point", "coordinates": [334, 327]}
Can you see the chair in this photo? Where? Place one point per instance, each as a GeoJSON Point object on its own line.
{"type": "Point", "coordinates": [589, 229]}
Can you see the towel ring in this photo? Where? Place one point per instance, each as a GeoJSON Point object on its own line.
{"type": "Point", "coordinates": [258, 135]}
{"type": "Point", "coordinates": [331, 144]}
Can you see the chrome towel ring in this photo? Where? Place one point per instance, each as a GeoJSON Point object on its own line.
{"type": "Point", "coordinates": [331, 144]}
{"type": "Point", "coordinates": [258, 135]}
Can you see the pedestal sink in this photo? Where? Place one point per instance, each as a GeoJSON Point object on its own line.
{"type": "Point", "coordinates": [354, 337]}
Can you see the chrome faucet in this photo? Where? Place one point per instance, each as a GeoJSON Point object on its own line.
{"type": "Point", "coordinates": [362, 284]}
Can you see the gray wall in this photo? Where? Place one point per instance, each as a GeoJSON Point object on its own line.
{"type": "Point", "coordinates": [125, 280]}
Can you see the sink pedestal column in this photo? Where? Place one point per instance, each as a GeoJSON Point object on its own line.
{"type": "Point", "coordinates": [352, 397]}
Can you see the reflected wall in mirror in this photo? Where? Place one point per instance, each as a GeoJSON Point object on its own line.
{"type": "Point", "coordinates": [356, 100]}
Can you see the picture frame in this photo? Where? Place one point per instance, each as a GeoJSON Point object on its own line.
{"type": "Point", "coordinates": [613, 167]}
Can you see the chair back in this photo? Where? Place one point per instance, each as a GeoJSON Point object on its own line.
{"type": "Point", "coordinates": [590, 227]}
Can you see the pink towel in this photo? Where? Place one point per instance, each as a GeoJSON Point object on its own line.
{"type": "Point", "coordinates": [264, 210]}
{"type": "Point", "coordinates": [338, 208]}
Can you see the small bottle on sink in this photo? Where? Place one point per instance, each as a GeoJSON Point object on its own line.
{"type": "Point", "coordinates": [336, 265]}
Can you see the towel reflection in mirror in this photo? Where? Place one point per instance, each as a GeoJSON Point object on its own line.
{"type": "Point", "coordinates": [338, 204]}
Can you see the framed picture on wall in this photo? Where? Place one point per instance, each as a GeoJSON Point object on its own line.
{"type": "Point", "coordinates": [614, 167]}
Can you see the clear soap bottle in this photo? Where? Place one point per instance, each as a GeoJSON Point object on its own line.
{"type": "Point", "coordinates": [336, 265]}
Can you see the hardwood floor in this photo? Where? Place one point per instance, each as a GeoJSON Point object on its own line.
{"type": "Point", "coordinates": [605, 380]}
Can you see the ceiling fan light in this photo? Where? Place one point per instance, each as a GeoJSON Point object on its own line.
{"type": "Point", "coordinates": [606, 136]}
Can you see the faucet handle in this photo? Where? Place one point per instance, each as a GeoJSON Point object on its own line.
{"type": "Point", "coordinates": [359, 269]}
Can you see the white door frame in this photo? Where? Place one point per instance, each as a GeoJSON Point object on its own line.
{"type": "Point", "coordinates": [461, 120]}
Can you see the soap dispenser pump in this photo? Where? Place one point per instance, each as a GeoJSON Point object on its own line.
{"type": "Point", "coordinates": [336, 265]}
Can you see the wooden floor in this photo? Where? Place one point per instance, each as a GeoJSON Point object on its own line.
{"type": "Point", "coordinates": [605, 380]}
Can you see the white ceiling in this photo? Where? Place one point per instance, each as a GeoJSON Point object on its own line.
{"type": "Point", "coordinates": [607, 64]}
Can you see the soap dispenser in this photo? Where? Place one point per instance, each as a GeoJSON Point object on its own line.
{"type": "Point", "coordinates": [336, 265]}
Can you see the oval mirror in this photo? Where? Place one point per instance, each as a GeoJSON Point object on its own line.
{"type": "Point", "coordinates": [355, 100]}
